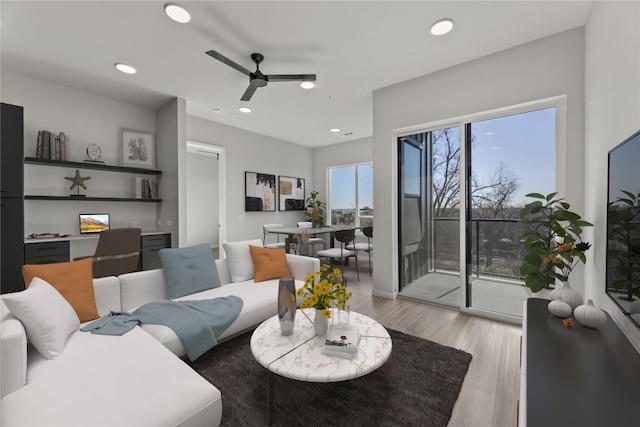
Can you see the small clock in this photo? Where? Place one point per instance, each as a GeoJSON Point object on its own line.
{"type": "Point", "coordinates": [93, 151]}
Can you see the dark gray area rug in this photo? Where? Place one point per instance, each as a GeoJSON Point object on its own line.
{"type": "Point", "coordinates": [427, 378]}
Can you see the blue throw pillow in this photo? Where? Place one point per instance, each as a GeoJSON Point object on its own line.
{"type": "Point", "coordinates": [189, 270]}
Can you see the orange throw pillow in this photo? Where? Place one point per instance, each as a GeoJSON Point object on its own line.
{"type": "Point", "coordinates": [74, 281]}
{"type": "Point", "coordinates": [269, 263]}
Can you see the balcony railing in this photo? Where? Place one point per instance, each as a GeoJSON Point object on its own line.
{"type": "Point", "coordinates": [495, 247]}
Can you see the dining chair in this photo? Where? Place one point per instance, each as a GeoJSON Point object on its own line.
{"type": "Point", "coordinates": [117, 252]}
{"type": "Point", "coordinates": [313, 241]}
{"type": "Point", "coordinates": [265, 232]}
{"type": "Point", "coordinates": [362, 246]}
{"type": "Point", "coordinates": [345, 237]}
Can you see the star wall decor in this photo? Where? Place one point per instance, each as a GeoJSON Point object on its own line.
{"type": "Point", "coordinates": [77, 181]}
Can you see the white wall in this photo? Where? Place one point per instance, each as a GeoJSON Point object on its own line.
{"type": "Point", "coordinates": [541, 69]}
{"type": "Point", "coordinates": [247, 151]}
{"type": "Point", "coordinates": [612, 113]}
{"type": "Point", "coordinates": [171, 145]}
{"type": "Point", "coordinates": [202, 199]}
{"type": "Point", "coordinates": [85, 119]}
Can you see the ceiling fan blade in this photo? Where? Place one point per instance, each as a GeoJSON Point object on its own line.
{"type": "Point", "coordinates": [291, 77]}
{"type": "Point", "coordinates": [220, 57]}
{"type": "Point", "coordinates": [248, 93]}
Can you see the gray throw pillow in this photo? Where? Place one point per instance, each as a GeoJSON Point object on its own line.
{"type": "Point", "coordinates": [189, 270]}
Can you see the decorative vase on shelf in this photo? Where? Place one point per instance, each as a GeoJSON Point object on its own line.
{"type": "Point", "coordinates": [568, 295]}
{"type": "Point", "coordinates": [559, 308]}
{"type": "Point", "coordinates": [590, 315]}
{"type": "Point", "coordinates": [286, 305]}
{"type": "Point", "coordinates": [320, 323]}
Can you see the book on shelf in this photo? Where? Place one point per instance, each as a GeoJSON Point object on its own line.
{"type": "Point", "coordinates": [52, 146]}
{"type": "Point", "coordinates": [39, 145]}
{"type": "Point", "coordinates": [341, 339]}
{"type": "Point", "coordinates": [63, 146]}
{"type": "Point", "coordinates": [46, 135]}
{"type": "Point", "coordinates": [137, 187]}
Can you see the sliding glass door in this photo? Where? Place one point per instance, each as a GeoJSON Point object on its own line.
{"type": "Point", "coordinates": [460, 192]}
{"type": "Point", "coordinates": [429, 218]}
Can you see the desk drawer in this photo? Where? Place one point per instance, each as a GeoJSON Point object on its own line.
{"type": "Point", "coordinates": [163, 240]}
{"type": "Point", "coordinates": [47, 259]}
{"type": "Point", "coordinates": [46, 249]}
{"type": "Point", "coordinates": [151, 258]}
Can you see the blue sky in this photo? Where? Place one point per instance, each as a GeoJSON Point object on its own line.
{"type": "Point", "coordinates": [343, 182]}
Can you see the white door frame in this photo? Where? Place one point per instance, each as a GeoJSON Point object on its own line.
{"type": "Point", "coordinates": [205, 149]}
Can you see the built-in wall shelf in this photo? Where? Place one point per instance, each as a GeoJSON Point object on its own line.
{"type": "Point", "coordinates": [91, 199]}
{"type": "Point", "coordinates": [89, 165]}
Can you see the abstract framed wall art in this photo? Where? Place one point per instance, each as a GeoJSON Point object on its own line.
{"type": "Point", "coordinates": [290, 193]}
{"type": "Point", "coordinates": [138, 149]}
{"type": "Point", "coordinates": [259, 192]}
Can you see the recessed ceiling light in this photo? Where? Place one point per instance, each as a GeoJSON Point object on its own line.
{"type": "Point", "coordinates": [244, 109]}
{"type": "Point", "coordinates": [217, 110]}
{"type": "Point", "coordinates": [128, 69]}
{"type": "Point", "coordinates": [442, 27]}
{"type": "Point", "coordinates": [335, 130]}
{"type": "Point", "coordinates": [307, 85]}
{"type": "Point", "coordinates": [177, 13]}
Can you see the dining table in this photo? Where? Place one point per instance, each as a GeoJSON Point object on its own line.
{"type": "Point", "coordinates": [292, 232]}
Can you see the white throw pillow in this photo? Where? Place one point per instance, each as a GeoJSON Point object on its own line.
{"type": "Point", "coordinates": [47, 317]}
{"type": "Point", "coordinates": [239, 259]}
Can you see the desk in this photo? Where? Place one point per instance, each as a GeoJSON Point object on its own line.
{"type": "Point", "coordinates": [297, 231]}
{"type": "Point", "coordinates": [47, 251]}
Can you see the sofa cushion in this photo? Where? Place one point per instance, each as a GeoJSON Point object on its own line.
{"type": "Point", "coordinates": [46, 315]}
{"type": "Point", "coordinates": [189, 270]}
{"type": "Point", "coordinates": [269, 263]}
{"type": "Point", "coordinates": [239, 259]}
{"type": "Point", "coordinates": [74, 281]}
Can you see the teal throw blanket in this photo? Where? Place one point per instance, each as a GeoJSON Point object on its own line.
{"type": "Point", "coordinates": [197, 323]}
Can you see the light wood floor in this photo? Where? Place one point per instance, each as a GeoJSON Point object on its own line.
{"type": "Point", "coordinates": [491, 387]}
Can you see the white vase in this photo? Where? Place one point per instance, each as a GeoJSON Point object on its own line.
{"type": "Point", "coordinates": [320, 323]}
{"type": "Point", "coordinates": [559, 308]}
{"type": "Point", "coordinates": [568, 294]}
{"type": "Point", "coordinates": [590, 315]}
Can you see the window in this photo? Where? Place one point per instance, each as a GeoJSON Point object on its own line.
{"type": "Point", "coordinates": [351, 195]}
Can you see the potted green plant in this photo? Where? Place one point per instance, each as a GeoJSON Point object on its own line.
{"type": "Point", "coordinates": [314, 209]}
{"type": "Point", "coordinates": [553, 244]}
{"type": "Point", "coordinates": [623, 251]}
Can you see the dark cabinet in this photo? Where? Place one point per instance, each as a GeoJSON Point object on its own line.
{"type": "Point", "coordinates": [46, 252]}
{"type": "Point", "coordinates": [151, 246]}
{"type": "Point", "coordinates": [11, 197]}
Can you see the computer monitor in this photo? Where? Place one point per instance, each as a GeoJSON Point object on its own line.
{"type": "Point", "coordinates": [93, 223]}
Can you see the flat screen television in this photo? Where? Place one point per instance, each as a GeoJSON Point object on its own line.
{"type": "Point", "coordinates": [94, 223]}
{"type": "Point", "coordinates": [623, 227]}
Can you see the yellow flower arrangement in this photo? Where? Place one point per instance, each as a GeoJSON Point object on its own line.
{"type": "Point", "coordinates": [324, 288]}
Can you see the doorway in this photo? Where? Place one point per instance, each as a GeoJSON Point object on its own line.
{"type": "Point", "coordinates": [206, 219]}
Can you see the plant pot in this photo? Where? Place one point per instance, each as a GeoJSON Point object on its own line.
{"type": "Point", "coordinates": [568, 295]}
{"type": "Point", "coordinates": [320, 323]}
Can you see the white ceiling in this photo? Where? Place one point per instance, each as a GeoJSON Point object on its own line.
{"type": "Point", "coordinates": [354, 47]}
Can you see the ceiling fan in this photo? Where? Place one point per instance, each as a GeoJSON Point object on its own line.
{"type": "Point", "coordinates": [257, 79]}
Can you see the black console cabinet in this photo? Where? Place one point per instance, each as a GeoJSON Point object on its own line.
{"type": "Point", "coordinates": [11, 197]}
{"type": "Point", "coordinates": [578, 376]}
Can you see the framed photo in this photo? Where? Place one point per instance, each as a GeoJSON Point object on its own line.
{"type": "Point", "coordinates": [259, 192]}
{"type": "Point", "coordinates": [138, 149]}
{"type": "Point", "coordinates": [290, 193]}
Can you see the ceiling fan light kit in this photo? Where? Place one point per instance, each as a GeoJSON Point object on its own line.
{"type": "Point", "coordinates": [257, 78]}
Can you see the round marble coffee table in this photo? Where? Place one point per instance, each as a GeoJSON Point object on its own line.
{"type": "Point", "coordinates": [299, 356]}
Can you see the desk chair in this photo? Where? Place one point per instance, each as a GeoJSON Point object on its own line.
{"type": "Point", "coordinates": [365, 247]}
{"type": "Point", "coordinates": [118, 252]}
{"type": "Point", "coordinates": [313, 241]}
{"type": "Point", "coordinates": [345, 237]}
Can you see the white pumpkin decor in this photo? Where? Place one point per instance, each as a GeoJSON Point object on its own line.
{"type": "Point", "coordinates": [568, 295]}
{"type": "Point", "coordinates": [590, 315]}
{"type": "Point", "coordinates": [560, 308]}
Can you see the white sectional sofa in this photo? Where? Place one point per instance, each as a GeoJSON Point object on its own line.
{"type": "Point", "coordinates": [136, 379]}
